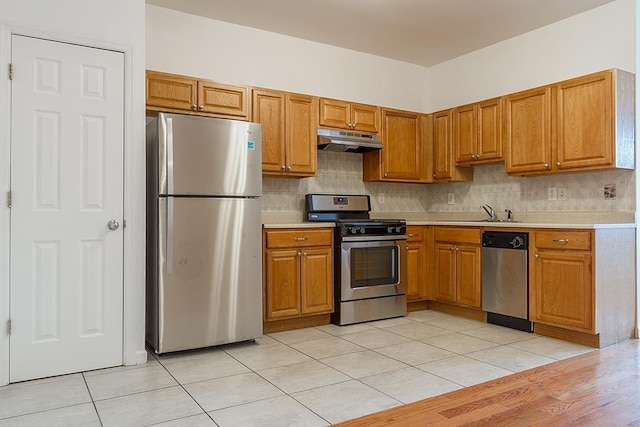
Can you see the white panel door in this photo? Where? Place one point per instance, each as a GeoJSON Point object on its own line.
{"type": "Point", "coordinates": [67, 184]}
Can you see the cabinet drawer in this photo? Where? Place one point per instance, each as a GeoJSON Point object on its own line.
{"type": "Point", "coordinates": [298, 238]}
{"type": "Point", "coordinates": [415, 234]}
{"type": "Point", "coordinates": [461, 235]}
{"type": "Point", "coordinates": [573, 240]}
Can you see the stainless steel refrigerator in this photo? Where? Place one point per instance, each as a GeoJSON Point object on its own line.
{"type": "Point", "coordinates": [204, 263]}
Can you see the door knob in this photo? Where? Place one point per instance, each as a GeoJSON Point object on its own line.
{"type": "Point", "coordinates": [113, 225]}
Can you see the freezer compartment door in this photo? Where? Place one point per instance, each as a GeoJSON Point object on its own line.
{"type": "Point", "coordinates": [210, 272]}
{"type": "Point", "coordinates": [206, 156]}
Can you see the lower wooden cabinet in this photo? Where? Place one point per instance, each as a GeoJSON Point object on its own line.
{"type": "Point", "coordinates": [561, 279]}
{"type": "Point", "coordinates": [417, 262]}
{"type": "Point", "coordinates": [457, 266]}
{"type": "Point", "coordinates": [298, 273]}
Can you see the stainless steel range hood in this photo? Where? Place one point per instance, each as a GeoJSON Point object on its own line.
{"type": "Point", "coordinates": [352, 142]}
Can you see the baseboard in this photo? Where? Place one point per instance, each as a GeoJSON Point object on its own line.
{"type": "Point", "coordinates": [296, 323]}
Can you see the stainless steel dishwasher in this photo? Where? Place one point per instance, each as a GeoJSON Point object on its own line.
{"type": "Point", "coordinates": [505, 283]}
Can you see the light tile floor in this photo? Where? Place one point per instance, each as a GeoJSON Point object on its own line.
{"type": "Point", "coordinates": [307, 377]}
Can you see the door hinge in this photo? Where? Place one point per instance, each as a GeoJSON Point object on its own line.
{"type": "Point", "coordinates": [10, 71]}
{"type": "Point", "coordinates": [9, 199]}
{"type": "Point", "coordinates": [9, 327]}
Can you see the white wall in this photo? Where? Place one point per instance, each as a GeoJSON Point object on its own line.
{"type": "Point", "coordinates": [187, 44]}
{"type": "Point", "coordinates": [598, 39]}
{"type": "Point", "coordinates": [117, 25]}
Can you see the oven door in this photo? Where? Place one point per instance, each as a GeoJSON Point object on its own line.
{"type": "Point", "coordinates": [372, 268]}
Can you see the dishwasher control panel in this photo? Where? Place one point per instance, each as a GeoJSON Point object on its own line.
{"type": "Point", "coordinates": [506, 240]}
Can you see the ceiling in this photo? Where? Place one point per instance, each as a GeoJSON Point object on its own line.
{"type": "Point", "coordinates": [422, 32]}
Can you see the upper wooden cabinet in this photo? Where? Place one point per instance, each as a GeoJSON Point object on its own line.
{"type": "Point", "coordinates": [528, 131]}
{"type": "Point", "coordinates": [477, 132]}
{"type": "Point", "coordinates": [444, 168]}
{"type": "Point", "coordinates": [347, 115]}
{"type": "Point", "coordinates": [175, 93]}
{"type": "Point", "coordinates": [289, 123]}
{"type": "Point", "coordinates": [585, 123]}
{"type": "Point", "coordinates": [404, 154]}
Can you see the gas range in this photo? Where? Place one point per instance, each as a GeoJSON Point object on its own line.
{"type": "Point", "coordinates": [371, 227]}
{"type": "Point", "coordinates": [370, 267]}
{"type": "Point", "coordinates": [351, 215]}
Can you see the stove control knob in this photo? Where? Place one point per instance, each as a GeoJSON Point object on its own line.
{"type": "Point", "coordinates": [398, 230]}
{"type": "Point", "coordinates": [353, 230]}
{"type": "Point", "coordinates": [389, 230]}
{"type": "Point", "coordinates": [361, 230]}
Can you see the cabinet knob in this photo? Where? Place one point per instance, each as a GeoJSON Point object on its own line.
{"type": "Point", "coordinates": [283, 167]}
{"type": "Point", "coordinates": [558, 164]}
{"type": "Point", "coordinates": [299, 253]}
{"type": "Point", "coordinates": [477, 156]}
{"type": "Point", "coordinates": [386, 174]}
{"type": "Point", "coordinates": [288, 168]}
{"type": "Point", "coordinates": [304, 254]}
{"type": "Point", "coordinates": [546, 165]}
{"type": "Point", "coordinates": [536, 256]}
{"type": "Point", "coordinates": [200, 107]}
{"type": "Point", "coordinates": [434, 175]}
{"type": "Point", "coordinates": [194, 107]}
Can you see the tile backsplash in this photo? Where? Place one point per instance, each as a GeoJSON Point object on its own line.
{"type": "Point", "coordinates": [342, 173]}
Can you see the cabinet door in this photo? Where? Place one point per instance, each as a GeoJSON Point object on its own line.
{"type": "Point", "coordinates": [468, 275]}
{"type": "Point", "coordinates": [222, 99]}
{"type": "Point", "coordinates": [442, 145]}
{"type": "Point", "coordinates": [528, 131]}
{"type": "Point", "coordinates": [416, 271]}
{"type": "Point", "coordinates": [282, 284]}
{"type": "Point", "coordinates": [317, 280]}
{"type": "Point", "coordinates": [365, 118]}
{"type": "Point", "coordinates": [334, 113]}
{"type": "Point", "coordinates": [402, 150]}
{"type": "Point", "coordinates": [301, 137]}
{"type": "Point", "coordinates": [490, 130]}
{"type": "Point", "coordinates": [445, 272]}
{"type": "Point", "coordinates": [268, 109]}
{"type": "Point", "coordinates": [562, 290]}
{"type": "Point", "coordinates": [465, 133]}
{"type": "Point", "coordinates": [585, 122]}
{"type": "Point", "coordinates": [171, 91]}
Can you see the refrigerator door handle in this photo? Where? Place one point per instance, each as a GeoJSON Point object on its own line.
{"type": "Point", "coordinates": [169, 253]}
{"type": "Point", "coordinates": [169, 148]}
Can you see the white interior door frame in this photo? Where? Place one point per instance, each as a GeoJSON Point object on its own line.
{"type": "Point", "coordinates": [134, 193]}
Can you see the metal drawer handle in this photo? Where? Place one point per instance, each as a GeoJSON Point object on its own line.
{"type": "Point", "coordinates": [561, 241]}
{"type": "Point", "coordinates": [300, 239]}
{"type": "Point", "coordinates": [412, 234]}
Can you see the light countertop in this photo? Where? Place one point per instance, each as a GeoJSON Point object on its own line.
{"type": "Point", "coordinates": [575, 220]}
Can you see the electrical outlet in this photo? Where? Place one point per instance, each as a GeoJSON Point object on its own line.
{"type": "Point", "coordinates": [562, 193]}
{"type": "Point", "coordinates": [450, 199]}
{"type": "Point", "coordinates": [609, 191]}
{"type": "Point", "coordinates": [551, 193]}
{"type": "Point", "coordinates": [381, 198]}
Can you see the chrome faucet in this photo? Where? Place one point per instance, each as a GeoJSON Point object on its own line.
{"type": "Point", "coordinates": [489, 210]}
{"type": "Point", "coordinates": [509, 214]}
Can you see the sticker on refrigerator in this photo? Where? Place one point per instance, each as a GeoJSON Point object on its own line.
{"type": "Point", "coordinates": [251, 145]}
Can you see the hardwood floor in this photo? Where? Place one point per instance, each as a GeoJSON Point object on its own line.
{"type": "Point", "coordinates": [598, 388]}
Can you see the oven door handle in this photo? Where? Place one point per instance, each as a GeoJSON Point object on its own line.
{"type": "Point", "coordinates": [373, 238]}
